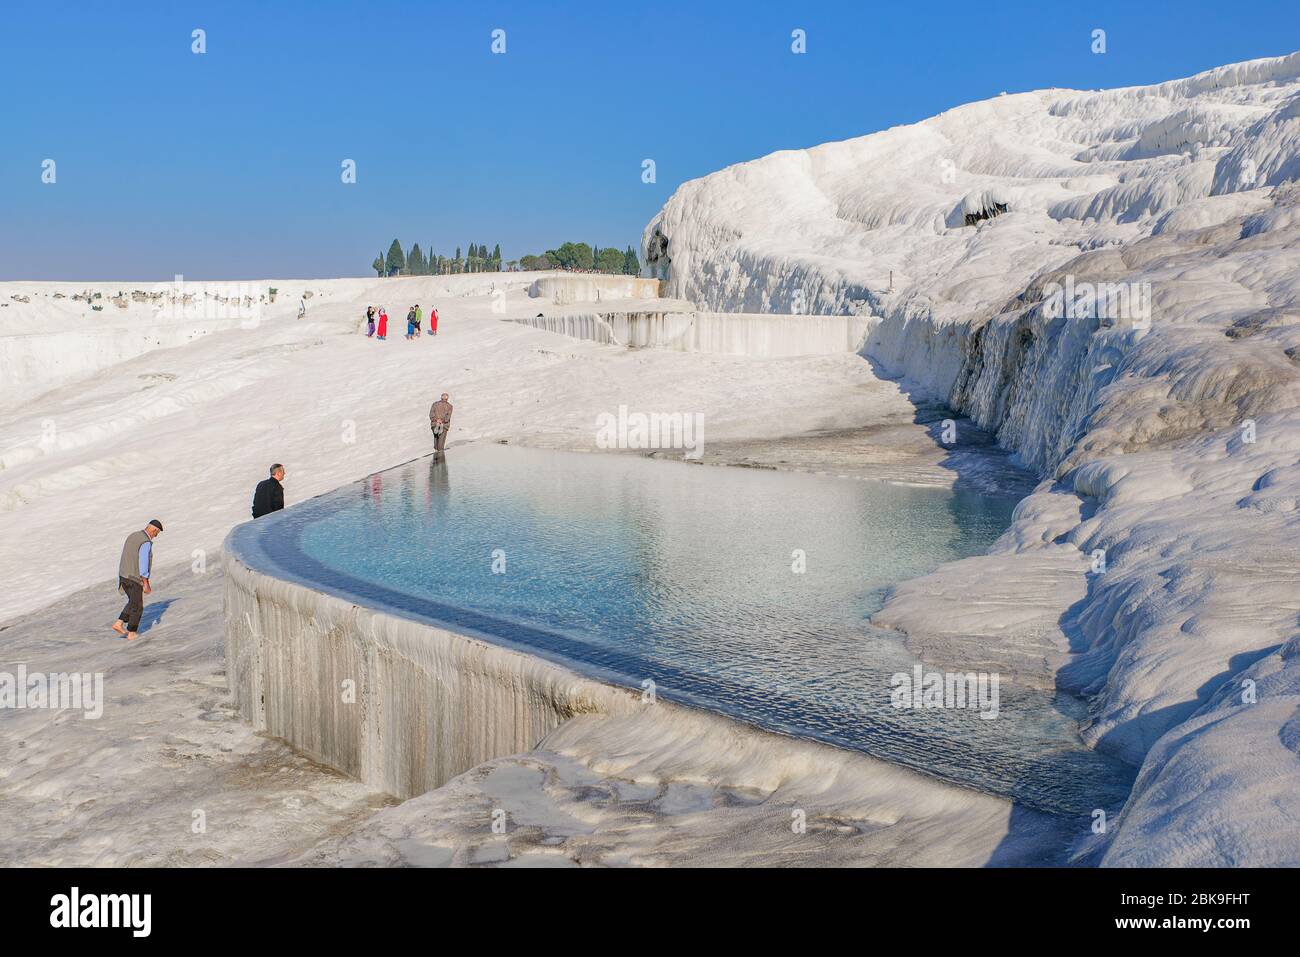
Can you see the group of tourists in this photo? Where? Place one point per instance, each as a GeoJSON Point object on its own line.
{"type": "Point", "coordinates": [377, 322]}
{"type": "Point", "coordinates": [135, 567]}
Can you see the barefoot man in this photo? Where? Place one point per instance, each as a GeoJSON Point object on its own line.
{"type": "Point", "coordinates": [133, 577]}
{"type": "Point", "coordinates": [440, 421]}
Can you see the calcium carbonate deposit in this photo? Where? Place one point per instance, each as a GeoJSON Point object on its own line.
{"type": "Point", "coordinates": [1106, 282]}
{"type": "Point", "coordinates": [1111, 282]}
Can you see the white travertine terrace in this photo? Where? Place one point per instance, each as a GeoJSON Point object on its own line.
{"type": "Point", "coordinates": [1168, 441]}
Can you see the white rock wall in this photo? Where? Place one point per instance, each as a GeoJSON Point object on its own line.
{"type": "Point", "coordinates": [590, 287]}
{"type": "Point", "coordinates": [429, 704]}
{"type": "Point", "coordinates": [740, 334]}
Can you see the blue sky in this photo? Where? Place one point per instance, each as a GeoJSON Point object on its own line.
{"type": "Point", "coordinates": [227, 164]}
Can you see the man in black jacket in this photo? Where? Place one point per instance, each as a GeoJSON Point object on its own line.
{"type": "Point", "coordinates": [269, 495]}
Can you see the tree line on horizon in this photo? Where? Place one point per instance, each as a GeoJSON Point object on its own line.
{"type": "Point", "coordinates": [573, 256]}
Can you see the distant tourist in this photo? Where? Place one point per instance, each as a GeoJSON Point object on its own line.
{"type": "Point", "coordinates": [302, 307]}
{"type": "Point", "coordinates": [433, 321]}
{"type": "Point", "coordinates": [268, 497]}
{"type": "Point", "coordinates": [410, 323]}
{"type": "Point", "coordinates": [383, 323]}
{"type": "Point", "coordinates": [370, 321]}
{"type": "Point", "coordinates": [133, 572]}
{"type": "Point", "coordinates": [440, 421]}
{"type": "Point", "coordinates": [419, 318]}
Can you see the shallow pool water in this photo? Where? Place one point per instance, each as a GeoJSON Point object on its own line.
{"type": "Point", "coordinates": [743, 591]}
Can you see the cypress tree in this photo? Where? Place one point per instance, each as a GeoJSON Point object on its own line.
{"type": "Point", "coordinates": [396, 262]}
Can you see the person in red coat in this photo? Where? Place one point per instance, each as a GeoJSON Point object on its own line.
{"type": "Point", "coordinates": [383, 323]}
{"type": "Point", "coordinates": [433, 321]}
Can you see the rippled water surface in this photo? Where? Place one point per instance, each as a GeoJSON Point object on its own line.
{"type": "Point", "coordinates": [629, 569]}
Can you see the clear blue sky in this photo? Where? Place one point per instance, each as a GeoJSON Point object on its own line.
{"type": "Point", "coordinates": [226, 165]}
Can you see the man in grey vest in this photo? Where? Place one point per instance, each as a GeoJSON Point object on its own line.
{"type": "Point", "coordinates": [133, 572]}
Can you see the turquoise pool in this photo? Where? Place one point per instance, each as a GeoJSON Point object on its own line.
{"type": "Point", "coordinates": [634, 571]}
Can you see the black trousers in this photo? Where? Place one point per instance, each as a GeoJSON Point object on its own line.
{"type": "Point", "coordinates": [134, 603]}
{"type": "Point", "coordinates": [440, 439]}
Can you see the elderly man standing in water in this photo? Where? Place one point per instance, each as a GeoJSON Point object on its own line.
{"type": "Point", "coordinates": [440, 421]}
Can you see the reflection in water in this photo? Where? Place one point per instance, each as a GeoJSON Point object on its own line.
{"type": "Point", "coordinates": [372, 490]}
{"type": "Point", "coordinates": [438, 483]}
{"type": "Point", "coordinates": [742, 591]}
